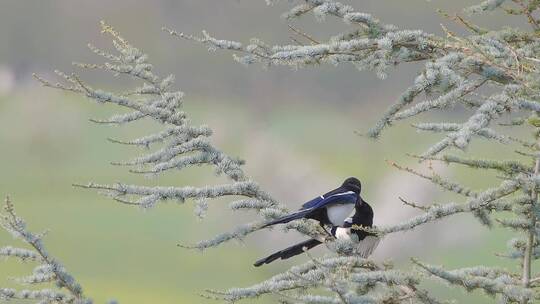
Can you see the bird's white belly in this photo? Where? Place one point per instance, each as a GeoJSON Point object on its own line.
{"type": "Point", "coordinates": [338, 213]}
{"type": "Point", "coordinates": [343, 233]}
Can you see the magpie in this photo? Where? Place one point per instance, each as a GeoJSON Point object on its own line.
{"type": "Point", "coordinates": [367, 242]}
{"type": "Point", "coordinates": [331, 208]}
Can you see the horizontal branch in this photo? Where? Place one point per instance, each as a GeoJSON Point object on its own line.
{"type": "Point", "coordinates": [437, 212]}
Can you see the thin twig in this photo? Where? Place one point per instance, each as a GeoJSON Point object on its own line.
{"type": "Point", "coordinates": [303, 34]}
{"type": "Point", "coordinates": [423, 208]}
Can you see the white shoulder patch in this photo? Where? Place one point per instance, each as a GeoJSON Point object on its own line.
{"type": "Point", "coordinates": [342, 193]}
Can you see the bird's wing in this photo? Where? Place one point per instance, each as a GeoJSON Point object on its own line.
{"type": "Point", "coordinates": [318, 199]}
{"type": "Point", "coordinates": [347, 197]}
{"type": "Point", "coordinates": [289, 217]}
{"type": "Point", "coordinates": [288, 252]}
{"type": "Point", "coordinates": [312, 202]}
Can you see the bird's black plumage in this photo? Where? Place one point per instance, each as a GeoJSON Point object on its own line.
{"type": "Point", "coordinates": [288, 252]}
{"type": "Point", "coordinates": [331, 208]}
{"type": "Point", "coordinates": [363, 216]}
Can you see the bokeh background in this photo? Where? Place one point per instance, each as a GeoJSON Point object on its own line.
{"type": "Point", "coordinates": [295, 128]}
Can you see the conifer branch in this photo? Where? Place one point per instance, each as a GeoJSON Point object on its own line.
{"type": "Point", "coordinates": [481, 201]}
{"type": "Point", "coordinates": [179, 144]}
{"type": "Point", "coordinates": [491, 281]}
{"type": "Point", "coordinates": [439, 181]}
{"type": "Point", "coordinates": [49, 269]}
{"type": "Point", "coordinates": [509, 167]}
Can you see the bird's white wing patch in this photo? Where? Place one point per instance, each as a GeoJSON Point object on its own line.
{"type": "Point", "coordinates": [342, 193]}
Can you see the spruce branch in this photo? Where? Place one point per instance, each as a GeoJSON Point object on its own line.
{"type": "Point", "coordinates": [491, 281]}
{"type": "Point", "coordinates": [481, 201]}
{"type": "Point", "coordinates": [455, 66]}
{"type": "Point", "coordinates": [351, 279]}
{"type": "Point", "coordinates": [509, 167]}
{"type": "Point", "coordinates": [49, 270]}
{"type": "Point", "coordinates": [439, 181]}
{"type": "Point", "coordinates": [179, 144]}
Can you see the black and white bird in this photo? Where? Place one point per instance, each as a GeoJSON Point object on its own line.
{"type": "Point", "coordinates": [331, 208]}
{"type": "Point", "coordinates": [366, 242]}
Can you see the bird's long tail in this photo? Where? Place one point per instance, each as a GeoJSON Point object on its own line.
{"type": "Point", "coordinates": [289, 217]}
{"type": "Point", "coordinates": [288, 252]}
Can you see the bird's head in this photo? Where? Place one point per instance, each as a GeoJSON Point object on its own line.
{"type": "Point", "coordinates": [352, 184]}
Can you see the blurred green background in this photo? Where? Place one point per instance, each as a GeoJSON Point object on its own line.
{"type": "Point", "coordinates": [294, 128]}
